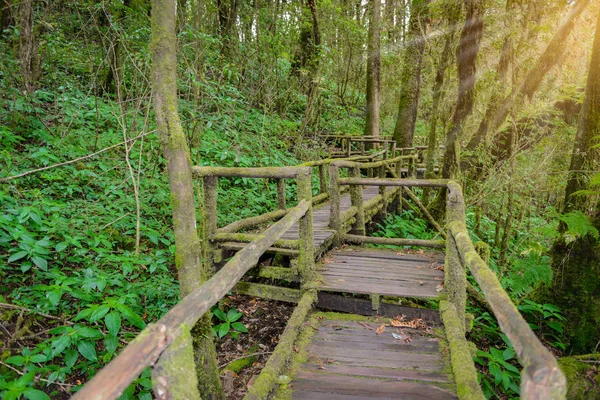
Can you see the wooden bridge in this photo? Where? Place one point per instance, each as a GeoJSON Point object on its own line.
{"type": "Point", "coordinates": [352, 334]}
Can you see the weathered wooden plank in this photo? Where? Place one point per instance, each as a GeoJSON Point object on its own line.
{"type": "Point", "coordinates": [333, 338]}
{"type": "Point", "coordinates": [358, 287]}
{"type": "Point", "coordinates": [369, 388]}
{"type": "Point", "coordinates": [379, 373]}
{"type": "Point", "coordinates": [321, 348]}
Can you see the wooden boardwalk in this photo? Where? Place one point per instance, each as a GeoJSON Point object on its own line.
{"type": "Point", "coordinates": [383, 272]}
{"type": "Point", "coordinates": [350, 360]}
{"type": "Point", "coordinates": [322, 234]}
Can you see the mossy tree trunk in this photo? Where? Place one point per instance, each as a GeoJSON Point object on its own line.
{"type": "Point", "coordinates": [466, 57]}
{"type": "Point", "coordinates": [6, 15]}
{"type": "Point", "coordinates": [310, 59]}
{"type": "Point", "coordinates": [29, 59]}
{"type": "Point", "coordinates": [373, 69]}
{"type": "Point", "coordinates": [410, 80]}
{"type": "Point", "coordinates": [173, 142]}
{"type": "Point", "coordinates": [576, 282]}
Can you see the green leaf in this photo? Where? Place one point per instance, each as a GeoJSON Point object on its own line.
{"type": "Point", "coordinates": [89, 333]}
{"type": "Point", "coordinates": [132, 317]}
{"type": "Point", "coordinates": [15, 360]}
{"type": "Point", "coordinates": [84, 314]}
{"type": "Point", "coordinates": [233, 315]}
{"type": "Point", "coordinates": [38, 358]}
{"type": "Point", "coordinates": [223, 329]}
{"type": "Point", "coordinates": [60, 247]}
{"type": "Point", "coordinates": [87, 350]}
{"type": "Point", "coordinates": [99, 313]}
{"type": "Point", "coordinates": [40, 262]}
{"type": "Point", "coordinates": [111, 343]}
{"type": "Point", "coordinates": [34, 394]}
{"type": "Point", "coordinates": [238, 326]}
{"type": "Point", "coordinates": [71, 357]}
{"type": "Point", "coordinates": [113, 322]}
{"type": "Point", "coordinates": [220, 314]}
{"type": "Point", "coordinates": [54, 296]}
{"type": "Point", "coordinates": [557, 326]}
{"type": "Point", "coordinates": [17, 256]}
{"type": "Point", "coordinates": [60, 344]}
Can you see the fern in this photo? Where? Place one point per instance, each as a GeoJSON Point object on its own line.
{"type": "Point", "coordinates": [527, 272]}
{"type": "Point", "coordinates": [578, 226]}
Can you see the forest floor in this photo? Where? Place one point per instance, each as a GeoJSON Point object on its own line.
{"type": "Point", "coordinates": [265, 320]}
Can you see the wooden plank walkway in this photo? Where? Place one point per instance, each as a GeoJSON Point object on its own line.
{"type": "Point", "coordinates": [322, 234]}
{"type": "Point", "coordinates": [349, 360]}
{"type": "Point", "coordinates": [383, 272]}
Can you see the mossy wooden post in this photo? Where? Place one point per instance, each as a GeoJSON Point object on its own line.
{"type": "Point", "coordinates": [281, 194]}
{"type": "Point", "coordinates": [323, 178]}
{"type": "Point", "coordinates": [335, 222]}
{"type": "Point", "coordinates": [210, 221]}
{"type": "Point", "coordinates": [393, 150]}
{"type": "Point", "coordinates": [362, 148]}
{"type": "Point", "coordinates": [191, 273]}
{"type": "Point", "coordinates": [306, 259]}
{"type": "Point", "coordinates": [349, 147]}
{"type": "Point", "coordinates": [357, 201]}
{"type": "Point", "coordinates": [455, 276]}
{"type": "Point", "coordinates": [412, 167]}
{"type": "Point", "coordinates": [382, 189]}
{"type": "Point", "coordinates": [174, 375]}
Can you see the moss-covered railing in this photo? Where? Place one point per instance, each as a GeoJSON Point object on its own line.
{"type": "Point", "coordinates": [166, 345]}
{"type": "Point", "coordinates": [541, 375]}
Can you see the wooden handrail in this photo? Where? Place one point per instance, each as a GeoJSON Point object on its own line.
{"type": "Point", "coordinates": [541, 376]}
{"type": "Point", "coordinates": [147, 347]}
{"type": "Point", "coordinates": [394, 182]}
{"type": "Point", "coordinates": [258, 172]}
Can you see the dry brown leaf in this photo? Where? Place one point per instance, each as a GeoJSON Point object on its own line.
{"type": "Point", "coordinates": [381, 329]}
{"type": "Point", "coordinates": [341, 280]}
{"type": "Point", "coordinates": [439, 287]}
{"type": "Point", "coordinates": [421, 283]}
{"type": "Point", "coordinates": [439, 268]}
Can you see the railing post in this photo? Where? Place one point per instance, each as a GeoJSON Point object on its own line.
{"type": "Point", "coordinates": [210, 220]}
{"type": "Point", "coordinates": [306, 259]}
{"type": "Point", "coordinates": [334, 203]}
{"type": "Point", "coordinates": [362, 148]}
{"type": "Point", "coordinates": [357, 200]}
{"type": "Point", "coordinates": [349, 147]}
{"type": "Point", "coordinates": [393, 150]}
{"type": "Point", "coordinates": [174, 374]}
{"type": "Point", "coordinates": [455, 275]}
{"type": "Point", "coordinates": [412, 167]}
{"type": "Point", "coordinates": [322, 178]}
{"type": "Point", "coordinates": [281, 193]}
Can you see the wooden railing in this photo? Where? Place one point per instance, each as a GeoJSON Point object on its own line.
{"type": "Point", "coordinates": [167, 344]}
{"type": "Point", "coordinates": [541, 377]}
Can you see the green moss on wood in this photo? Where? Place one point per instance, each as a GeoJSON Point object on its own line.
{"type": "Point", "coordinates": [268, 292]}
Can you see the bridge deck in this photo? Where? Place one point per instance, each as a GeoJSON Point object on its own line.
{"type": "Point", "coordinates": [322, 233]}
{"type": "Point", "coordinates": [384, 272]}
{"type": "Point", "coordinates": [350, 360]}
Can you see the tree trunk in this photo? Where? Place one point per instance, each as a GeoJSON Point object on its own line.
{"type": "Point", "coordinates": [466, 57]}
{"type": "Point", "coordinates": [390, 24]}
{"type": "Point", "coordinates": [410, 79]}
{"type": "Point", "coordinates": [310, 42]}
{"type": "Point", "coordinates": [576, 281]}
{"type": "Point", "coordinates": [373, 69]}
{"type": "Point", "coordinates": [227, 11]}
{"type": "Point", "coordinates": [550, 57]}
{"type": "Point", "coordinates": [6, 15]}
{"type": "Point", "coordinates": [28, 46]}
{"type": "Point", "coordinates": [173, 142]}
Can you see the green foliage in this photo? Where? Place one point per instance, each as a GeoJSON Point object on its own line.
{"type": "Point", "coordinates": [578, 226]}
{"type": "Point", "coordinates": [404, 225]}
{"type": "Point", "coordinates": [502, 374]}
{"type": "Point", "coordinates": [227, 323]}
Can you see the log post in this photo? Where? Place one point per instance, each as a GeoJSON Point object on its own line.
{"type": "Point", "coordinates": [455, 275]}
{"type": "Point", "coordinates": [357, 201]}
{"type": "Point", "coordinates": [393, 149]}
{"type": "Point", "coordinates": [323, 178]}
{"type": "Point", "coordinates": [306, 259]}
{"type": "Point", "coordinates": [349, 147]}
{"type": "Point", "coordinates": [362, 148]}
{"type": "Point", "coordinates": [210, 221]}
{"type": "Point", "coordinates": [281, 194]}
{"type": "Point", "coordinates": [174, 374]}
{"type": "Point", "coordinates": [334, 203]}
{"type": "Point", "coordinates": [412, 167]}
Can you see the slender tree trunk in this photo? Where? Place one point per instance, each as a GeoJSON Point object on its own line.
{"type": "Point", "coordinates": [311, 44]}
{"type": "Point", "coordinates": [373, 69]}
{"type": "Point", "coordinates": [588, 128]}
{"type": "Point", "coordinates": [390, 24]}
{"type": "Point", "coordinates": [227, 11]}
{"type": "Point", "coordinates": [410, 79]}
{"type": "Point", "coordinates": [442, 65]}
{"type": "Point", "coordinates": [466, 57]}
{"type": "Point", "coordinates": [173, 142]}
{"type": "Point", "coordinates": [28, 46]}
{"type": "Point", "coordinates": [6, 15]}
{"type": "Point", "coordinates": [550, 57]}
